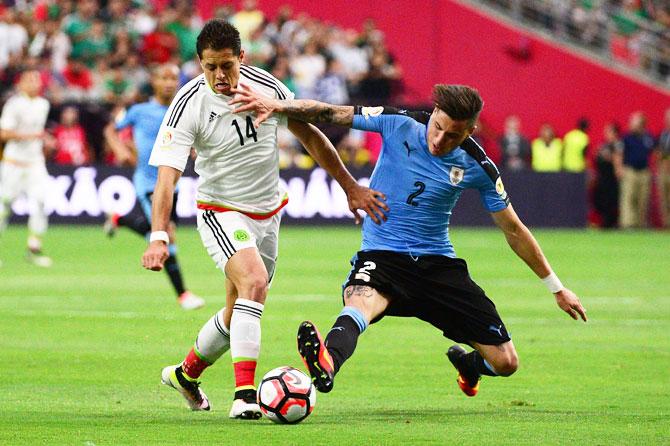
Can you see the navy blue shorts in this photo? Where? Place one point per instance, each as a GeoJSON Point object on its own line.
{"type": "Point", "coordinates": [436, 289]}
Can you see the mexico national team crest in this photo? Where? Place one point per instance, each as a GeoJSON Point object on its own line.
{"type": "Point", "coordinates": [456, 175]}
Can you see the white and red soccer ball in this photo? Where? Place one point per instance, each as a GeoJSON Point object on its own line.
{"type": "Point", "coordinates": [286, 395]}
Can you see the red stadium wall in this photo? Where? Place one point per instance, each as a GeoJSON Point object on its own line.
{"type": "Point", "coordinates": [444, 41]}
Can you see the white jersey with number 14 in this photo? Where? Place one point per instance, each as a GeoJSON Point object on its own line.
{"type": "Point", "coordinates": [238, 165]}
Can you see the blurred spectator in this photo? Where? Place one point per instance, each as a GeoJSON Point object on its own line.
{"type": "Point", "coordinates": [258, 50]}
{"type": "Point", "coordinates": [248, 19]}
{"type": "Point", "coordinates": [71, 147]}
{"type": "Point", "coordinates": [575, 146]}
{"type": "Point", "coordinates": [96, 45]}
{"type": "Point", "coordinates": [160, 45]}
{"type": "Point", "coordinates": [514, 146]}
{"type": "Point", "coordinates": [307, 68]}
{"type": "Point", "coordinates": [186, 27]}
{"type": "Point", "coordinates": [353, 59]}
{"type": "Point", "coordinates": [281, 71]}
{"type": "Point", "coordinates": [547, 151]}
{"type": "Point", "coordinates": [332, 86]}
{"type": "Point", "coordinates": [78, 24]}
{"type": "Point", "coordinates": [632, 167]}
{"type": "Point", "coordinates": [118, 90]}
{"type": "Point", "coordinates": [13, 38]}
{"type": "Point", "coordinates": [78, 81]}
{"type": "Point", "coordinates": [606, 188]}
{"type": "Point", "coordinates": [51, 41]}
{"type": "Point", "coordinates": [664, 170]}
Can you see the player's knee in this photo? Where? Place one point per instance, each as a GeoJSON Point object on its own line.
{"type": "Point", "coordinates": [254, 286]}
{"type": "Point", "coordinates": [508, 364]}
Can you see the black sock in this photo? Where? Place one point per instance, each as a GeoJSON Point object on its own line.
{"type": "Point", "coordinates": [138, 224]}
{"type": "Point", "coordinates": [475, 362]}
{"type": "Point", "coordinates": [174, 272]}
{"type": "Point", "coordinates": [341, 340]}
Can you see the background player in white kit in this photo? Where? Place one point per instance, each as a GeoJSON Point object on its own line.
{"type": "Point", "coordinates": [23, 169]}
{"type": "Point", "coordinates": [238, 202]}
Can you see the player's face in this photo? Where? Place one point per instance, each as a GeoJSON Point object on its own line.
{"type": "Point", "coordinates": [165, 82]}
{"type": "Point", "coordinates": [445, 134]}
{"type": "Point", "coordinates": [221, 68]}
{"type": "Point", "coordinates": [31, 83]}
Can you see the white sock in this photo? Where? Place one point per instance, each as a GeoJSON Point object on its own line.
{"type": "Point", "coordinates": [213, 339]}
{"type": "Point", "coordinates": [245, 330]}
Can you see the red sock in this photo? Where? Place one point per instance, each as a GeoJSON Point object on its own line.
{"type": "Point", "coordinates": [194, 365]}
{"type": "Point", "coordinates": [244, 374]}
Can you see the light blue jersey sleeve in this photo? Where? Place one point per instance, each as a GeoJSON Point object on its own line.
{"type": "Point", "coordinates": [493, 196]}
{"type": "Point", "coordinates": [373, 119]}
{"type": "Point", "coordinates": [126, 118]}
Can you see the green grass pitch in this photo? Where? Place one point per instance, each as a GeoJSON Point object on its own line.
{"type": "Point", "coordinates": [83, 343]}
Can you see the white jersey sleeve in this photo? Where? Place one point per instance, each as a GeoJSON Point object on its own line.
{"type": "Point", "coordinates": [9, 119]}
{"type": "Point", "coordinates": [179, 129]}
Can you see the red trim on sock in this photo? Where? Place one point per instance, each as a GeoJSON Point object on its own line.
{"type": "Point", "coordinates": [193, 366]}
{"type": "Point", "coordinates": [115, 219]}
{"type": "Point", "coordinates": [244, 373]}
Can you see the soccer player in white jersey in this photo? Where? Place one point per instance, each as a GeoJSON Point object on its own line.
{"type": "Point", "coordinates": [238, 202]}
{"type": "Point", "coordinates": [23, 170]}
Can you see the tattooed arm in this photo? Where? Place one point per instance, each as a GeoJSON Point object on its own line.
{"type": "Point", "coordinates": [300, 109]}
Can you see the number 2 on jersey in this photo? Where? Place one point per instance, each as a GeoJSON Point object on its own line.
{"type": "Point", "coordinates": [250, 130]}
{"type": "Point", "coordinates": [364, 272]}
{"type": "Point", "coordinates": [421, 187]}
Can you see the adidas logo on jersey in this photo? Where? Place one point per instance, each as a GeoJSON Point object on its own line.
{"type": "Point", "coordinates": [212, 116]}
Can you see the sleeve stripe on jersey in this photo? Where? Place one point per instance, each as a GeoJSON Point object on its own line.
{"type": "Point", "coordinates": [181, 104]}
{"type": "Point", "coordinates": [264, 75]}
{"type": "Point", "coordinates": [263, 79]}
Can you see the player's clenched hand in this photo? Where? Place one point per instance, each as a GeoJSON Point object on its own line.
{"type": "Point", "coordinates": [155, 255]}
{"type": "Point", "coordinates": [368, 200]}
{"type": "Point", "coordinates": [252, 102]}
{"type": "Point", "coordinates": [569, 302]}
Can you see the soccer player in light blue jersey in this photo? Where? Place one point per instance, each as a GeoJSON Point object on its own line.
{"type": "Point", "coordinates": [407, 266]}
{"type": "Point", "coordinates": [145, 120]}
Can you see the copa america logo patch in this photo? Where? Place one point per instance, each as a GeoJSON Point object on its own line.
{"type": "Point", "coordinates": [500, 188]}
{"type": "Point", "coordinates": [456, 175]}
{"type": "Point", "coordinates": [369, 112]}
{"type": "Point", "coordinates": [167, 137]}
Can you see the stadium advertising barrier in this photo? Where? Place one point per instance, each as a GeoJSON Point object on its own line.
{"type": "Point", "coordinates": [83, 195]}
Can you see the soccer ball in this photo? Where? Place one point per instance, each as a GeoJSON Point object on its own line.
{"type": "Point", "coordinates": [286, 395]}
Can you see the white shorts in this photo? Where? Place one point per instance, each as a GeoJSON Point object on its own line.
{"type": "Point", "coordinates": [31, 180]}
{"type": "Point", "coordinates": [225, 233]}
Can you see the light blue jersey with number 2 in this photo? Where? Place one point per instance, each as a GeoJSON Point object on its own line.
{"type": "Point", "coordinates": [422, 189]}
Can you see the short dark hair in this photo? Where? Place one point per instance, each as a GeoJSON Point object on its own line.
{"type": "Point", "coordinates": [460, 102]}
{"type": "Point", "coordinates": [217, 34]}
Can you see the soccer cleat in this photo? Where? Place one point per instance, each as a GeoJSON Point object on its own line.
{"type": "Point", "coordinates": [467, 380]}
{"type": "Point", "coordinates": [244, 410]}
{"type": "Point", "coordinates": [111, 225]}
{"type": "Point", "coordinates": [314, 354]}
{"type": "Point", "coordinates": [189, 301]}
{"type": "Point", "coordinates": [195, 398]}
{"type": "Point", "coordinates": [37, 258]}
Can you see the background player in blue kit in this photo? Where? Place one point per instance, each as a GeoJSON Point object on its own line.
{"type": "Point", "coordinates": [407, 265]}
{"type": "Point", "coordinates": [146, 119]}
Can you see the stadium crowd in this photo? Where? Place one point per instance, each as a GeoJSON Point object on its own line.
{"type": "Point", "coordinates": [94, 57]}
{"type": "Point", "coordinates": [634, 32]}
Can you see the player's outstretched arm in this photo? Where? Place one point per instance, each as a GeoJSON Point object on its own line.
{"type": "Point", "coordinates": [526, 247]}
{"type": "Point", "coordinates": [299, 109]}
{"type": "Point", "coordinates": [161, 206]}
{"type": "Point", "coordinates": [122, 152]}
{"type": "Point", "coordinates": [322, 150]}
